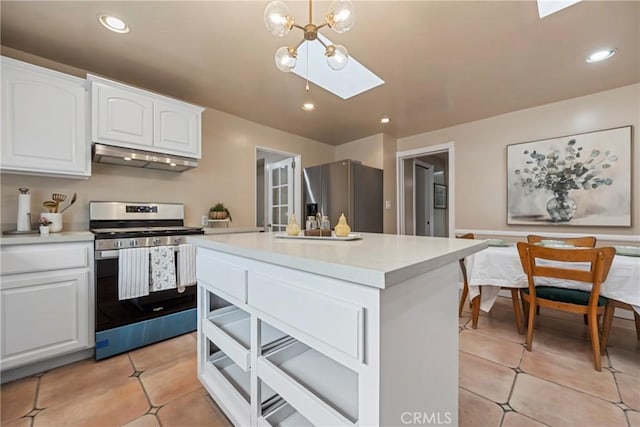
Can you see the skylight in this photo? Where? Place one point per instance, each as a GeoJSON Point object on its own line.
{"type": "Point", "coordinates": [352, 80]}
{"type": "Point", "coordinates": [547, 7]}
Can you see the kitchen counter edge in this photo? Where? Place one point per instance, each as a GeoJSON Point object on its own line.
{"type": "Point", "coordinates": [61, 237]}
{"type": "Point", "coordinates": [364, 275]}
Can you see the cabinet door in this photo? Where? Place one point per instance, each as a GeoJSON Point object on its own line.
{"type": "Point", "coordinates": [121, 117]}
{"type": "Point", "coordinates": [43, 315]}
{"type": "Point", "coordinates": [176, 128]}
{"type": "Point", "coordinates": [44, 116]}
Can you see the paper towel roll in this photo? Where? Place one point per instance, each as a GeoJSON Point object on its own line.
{"type": "Point", "coordinates": [24, 210]}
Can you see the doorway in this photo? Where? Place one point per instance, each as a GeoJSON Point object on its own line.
{"type": "Point", "coordinates": [426, 183]}
{"type": "Point", "coordinates": [422, 198]}
{"type": "Point", "coordinates": [278, 181]}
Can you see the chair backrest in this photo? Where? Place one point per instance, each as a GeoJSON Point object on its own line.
{"type": "Point", "coordinates": [583, 241]}
{"type": "Point", "coordinates": [600, 260]}
{"type": "Point", "coordinates": [463, 267]}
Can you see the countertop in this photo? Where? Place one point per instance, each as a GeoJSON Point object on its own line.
{"type": "Point", "coordinates": [378, 260]}
{"type": "Point", "coordinates": [225, 230]}
{"type": "Point", "coordinates": [61, 237]}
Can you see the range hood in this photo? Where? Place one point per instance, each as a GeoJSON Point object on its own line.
{"type": "Point", "coordinates": [141, 159]}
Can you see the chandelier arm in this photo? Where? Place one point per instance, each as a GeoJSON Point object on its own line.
{"type": "Point", "coordinates": [298, 45]}
{"type": "Point", "coordinates": [321, 42]}
{"type": "Point", "coordinates": [322, 25]}
{"type": "Point", "coordinates": [298, 26]}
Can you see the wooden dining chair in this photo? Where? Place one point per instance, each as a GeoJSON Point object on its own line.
{"type": "Point", "coordinates": [463, 269]}
{"type": "Point", "coordinates": [582, 241]}
{"type": "Point", "coordinates": [609, 310]}
{"type": "Point", "coordinates": [571, 300]}
{"type": "Point", "coordinates": [475, 304]}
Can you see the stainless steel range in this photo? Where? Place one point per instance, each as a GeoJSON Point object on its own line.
{"type": "Point", "coordinates": [126, 323]}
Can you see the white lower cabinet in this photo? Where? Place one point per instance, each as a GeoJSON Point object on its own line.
{"type": "Point", "coordinates": [48, 312]}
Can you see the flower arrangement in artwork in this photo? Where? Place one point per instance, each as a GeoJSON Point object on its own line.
{"type": "Point", "coordinates": [560, 171]}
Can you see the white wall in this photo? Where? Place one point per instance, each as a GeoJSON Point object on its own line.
{"type": "Point", "coordinates": [367, 150]}
{"type": "Point", "coordinates": [481, 189]}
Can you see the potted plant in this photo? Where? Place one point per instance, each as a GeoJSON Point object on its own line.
{"type": "Point", "coordinates": [218, 211]}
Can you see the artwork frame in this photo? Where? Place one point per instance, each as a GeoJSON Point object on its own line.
{"type": "Point", "coordinates": [439, 196]}
{"type": "Point", "coordinates": [575, 180]}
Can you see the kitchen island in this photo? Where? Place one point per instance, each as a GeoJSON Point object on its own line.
{"type": "Point", "coordinates": [320, 332]}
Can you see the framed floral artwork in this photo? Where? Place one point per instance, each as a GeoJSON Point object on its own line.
{"type": "Point", "coordinates": [582, 180]}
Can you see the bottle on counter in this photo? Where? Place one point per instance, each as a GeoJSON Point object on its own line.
{"type": "Point", "coordinates": [324, 223]}
{"type": "Point", "coordinates": [311, 224]}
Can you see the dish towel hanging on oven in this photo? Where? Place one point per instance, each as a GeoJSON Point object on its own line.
{"type": "Point", "coordinates": [186, 265]}
{"type": "Point", "coordinates": [163, 268]}
{"type": "Point", "coordinates": [133, 273]}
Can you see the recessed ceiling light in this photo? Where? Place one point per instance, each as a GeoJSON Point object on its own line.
{"type": "Point", "coordinates": [308, 106]}
{"type": "Point", "coordinates": [172, 164]}
{"type": "Point", "coordinates": [114, 24]}
{"type": "Point", "coordinates": [601, 55]}
{"type": "Point", "coordinates": [385, 120]}
{"type": "Point", "coordinates": [127, 158]}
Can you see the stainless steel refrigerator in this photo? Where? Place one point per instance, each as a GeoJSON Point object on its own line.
{"type": "Point", "coordinates": [345, 187]}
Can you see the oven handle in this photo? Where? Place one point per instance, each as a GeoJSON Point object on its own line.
{"type": "Point", "coordinates": [110, 254]}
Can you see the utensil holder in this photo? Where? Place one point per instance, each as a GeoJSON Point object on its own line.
{"type": "Point", "coordinates": [56, 221]}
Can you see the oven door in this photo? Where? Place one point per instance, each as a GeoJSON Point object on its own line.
{"type": "Point", "coordinates": [113, 313]}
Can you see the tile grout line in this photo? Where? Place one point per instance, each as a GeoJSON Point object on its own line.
{"type": "Point", "coordinates": [144, 390]}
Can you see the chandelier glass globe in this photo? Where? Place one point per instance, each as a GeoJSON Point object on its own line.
{"type": "Point", "coordinates": [340, 16]}
{"type": "Point", "coordinates": [286, 59]}
{"type": "Point", "coordinates": [338, 59]}
{"type": "Point", "coordinates": [277, 18]}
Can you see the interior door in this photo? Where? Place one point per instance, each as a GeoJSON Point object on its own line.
{"type": "Point", "coordinates": [423, 197]}
{"type": "Point", "coordinates": [280, 190]}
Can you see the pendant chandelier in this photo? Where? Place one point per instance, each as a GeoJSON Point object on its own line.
{"type": "Point", "coordinates": [279, 22]}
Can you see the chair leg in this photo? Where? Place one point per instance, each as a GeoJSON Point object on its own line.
{"type": "Point", "coordinates": [595, 340]}
{"type": "Point", "coordinates": [609, 310]}
{"type": "Point", "coordinates": [463, 298]}
{"type": "Point", "coordinates": [516, 310]}
{"type": "Point", "coordinates": [532, 315]}
{"type": "Point", "coordinates": [475, 312]}
{"type": "Point", "coordinates": [636, 317]}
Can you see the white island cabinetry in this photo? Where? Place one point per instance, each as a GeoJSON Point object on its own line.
{"type": "Point", "coordinates": [363, 332]}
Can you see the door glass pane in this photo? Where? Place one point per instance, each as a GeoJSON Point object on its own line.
{"type": "Point", "coordinates": [283, 175]}
{"type": "Point", "coordinates": [284, 194]}
{"type": "Point", "coordinates": [275, 199]}
{"type": "Point", "coordinates": [275, 176]}
{"type": "Point", "coordinates": [275, 216]}
{"type": "Point", "coordinates": [283, 216]}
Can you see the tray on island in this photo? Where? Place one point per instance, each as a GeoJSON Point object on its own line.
{"type": "Point", "coordinates": [301, 236]}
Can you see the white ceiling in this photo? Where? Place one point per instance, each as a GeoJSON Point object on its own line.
{"type": "Point", "coordinates": [444, 62]}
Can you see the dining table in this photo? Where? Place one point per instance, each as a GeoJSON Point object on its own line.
{"type": "Point", "coordinates": [498, 266]}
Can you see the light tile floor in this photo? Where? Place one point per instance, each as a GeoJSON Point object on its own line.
{"type": "Point", "coordinates": [501, 384]}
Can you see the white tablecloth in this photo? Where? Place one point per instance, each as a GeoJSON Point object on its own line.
{"type": "Point", "coordinates": [495, 267]}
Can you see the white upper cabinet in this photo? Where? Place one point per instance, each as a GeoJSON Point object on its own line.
{"type": "Point", "coordinates": [125, 116]}
{"type": "Point", "coordinates": [121, 116]}
{"type": "Point", "coordinates": [177, 128]}
{"type": "Point", "coordinates": [44, 122]}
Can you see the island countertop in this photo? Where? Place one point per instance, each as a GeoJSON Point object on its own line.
{"type": "Point", "coordinates": [378, 260]}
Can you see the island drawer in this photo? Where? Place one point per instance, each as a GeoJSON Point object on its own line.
{"type": "Point", "coordinates": [51, 256]}
{"type": "Point", "coordinates": [220, 272]}
{"type": "Point", "coordinates": [229, 329]}
{"type": "Point", "coordinates": [335, 322]}
{"type": "Point", "coordinates": [325, 391]}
